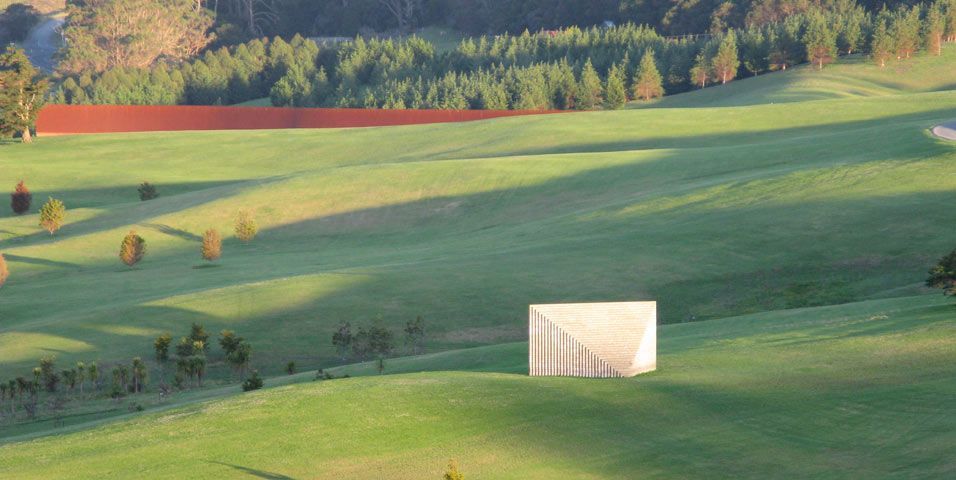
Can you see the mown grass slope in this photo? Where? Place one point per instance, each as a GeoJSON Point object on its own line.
{"type": "Point", "coordinates": [712, 212]}
{"type": "Point", "coordinates": [849, 77]}
{"type": "Point", "coordinates": [855, 391]}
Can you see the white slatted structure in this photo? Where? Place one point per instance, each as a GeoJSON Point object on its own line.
{"type": "Point", "coordinates": [596, 340]}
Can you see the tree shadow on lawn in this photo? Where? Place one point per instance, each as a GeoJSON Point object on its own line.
{"type": "Point", "coordinates": [254, 472]}
{"type": "Point", "coordinates": [41, 261]}
{"type": "Point", "coordinates": [196, 194]}
{"type": "Point", "coordinates": [735, 139]}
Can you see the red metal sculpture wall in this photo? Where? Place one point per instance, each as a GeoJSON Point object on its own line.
{"type": "Point", "coordinates": [76, 119]}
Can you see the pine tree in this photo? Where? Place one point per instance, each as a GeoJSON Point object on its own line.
{"type": "Point", "coordinates": [22, 93]}
{"type": "Point", "coordinates": [590, 90]}
{"type": "Point", "coordinates": [949, 10]}
{"type": "Point", "coordinates": [52, 215]}
{"type": "Point", "coordinates": [133, 249]}
{"type": "Point", "coordinates": [726, 62]}
{"type": "Point", "coordinates": [648, 83]}
{"type": "Point", "coordinates": [881, 46]}
{"type": "Point", "coordinates": [906, 31]}
{"type": "Point", "coordinates": [700, 73]}
{"type": "Point", "coordinates": [819, 39]}
{"type": "Point", "coordinates": [211, 245]}
{"type": "Point", "coordinates": [934, 27]}
{"type": "Point", "coordinates": [614, 91]}
{"type": "Point", "coordinates": [851, 31]}
{"type": "Point", "coordinates": [20, 199]}
{"type": "Point", "coordinates": [754, 50]}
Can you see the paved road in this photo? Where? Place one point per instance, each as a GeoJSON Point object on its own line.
{"type": "Point", "coordinates": [43, 41]}
{"type": "Point", "coordinates": [946, 130]}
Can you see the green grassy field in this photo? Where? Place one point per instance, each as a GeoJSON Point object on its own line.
{"type": "Point", "coordinates": [853, 391]}
{"type": "Point", "coordinates": [854, 76]}
{"type": "Point", "coordinates": [732, 207]}
{"type": "Point", "coordinates": [719, 212]}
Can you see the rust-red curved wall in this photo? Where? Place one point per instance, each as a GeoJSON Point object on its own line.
{"type": "Point", "coordinates": [74, 119]}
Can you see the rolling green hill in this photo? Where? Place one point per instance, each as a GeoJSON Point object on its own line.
{"type": "Point", "coordinates": [728, 206]}
{"type": "Point", "coordinates": [716, 212]}
{"type": "Point", "coordinates": [859, 390]}
{"type": "Point", "coordinates": [855, 76]}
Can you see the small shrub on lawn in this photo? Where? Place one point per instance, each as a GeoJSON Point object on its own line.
{"type": "Point", "coordinates": [246, 227]}
{"type": "Point", "coordinates": [211, 245]}
{"type": "Point", "coordinates": [52, 214]}
{"type": "Point", "coordinates": [453, 473]}
{"type": "Point", "coordinates": [133, 249]}
{"type": "Point", "coordinates": [147, 191]}
{"type": "Point", "coordinates": [290, 368]}
{"type": "Point", "coordinates": [4, 273]}
{"type": "Point", "coordinates": [254, 382]}
{"type": "Point", "coordinates": [20, 199]}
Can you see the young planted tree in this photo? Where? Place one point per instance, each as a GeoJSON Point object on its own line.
{"type": "Point", "coordinates": [943, 274]}
{"type": "Point", "coordinates": [246, 227]}
{"type": "Point", "coordinates": [120, 378]}
{"type": "Point", "coordinates": [147, 191]}
{"type": "Point", "coordinates": [590, 90]}
{"type": "Point", "coordinates": [81, 375]}
{"type": "Point", "coordinates": [211, 245]}
{"type": "Point", "coordinates": [52, 215]}
{"type": "Point", "coordinates": [453, 473]}
{"type": "Point", "coordinates": [48, 374]}
{"type": "Point", "coordinates": [615, 93]}
{"type": "Point", "coordinates": [22, 93]}
{"type": "Point", "coordinates": [197, 333]}
{"type": "Point", "coordinates": [140, 375]}
{"type": "Point", "coordinates": [700, 72]}
{"type": "Point", "coordinates": [95, 375]}
{"type": "Point", "coordinates": [786, 49]}
{"type": "Point", "coordinates": [380, 341]}
{"type": "Point", "coordinates": [240, 357]}
{"type": "Point", "coordinates": [648, 83]}
{"type": "Point", "coordinates": [906, 31]}
{"type": "Point", "coordinates": [881, 44]}
{"type": "Point", "coordinates": [161, 347]}
{"type": "Point", "coordinates": [133, 249]}
{"type": "Point", "coordinates": [69, 378]}
{"type": "Point", "coordinates": [290, 368]}
{"type": "Point", "coordinates": [252, 383]}
{"type": "Point", "coordinates": [934, 27]}
{"type": "Point", "coordinates": [725, 62]}
{"type": "Point", "coordinates": [20, 199]}
{"type": "Point", "coordinates": [415, 335]}
{"type": "Point", "coordinates": [4, 272]}
{"type": "Point", "coordinates": [819, 40]}
{"type": "Point", "coordinates": [754, 50]}
{"type": "Point", "coordinates": [342, 340]}
{"type": "Point", "coordinates": [949, 10]}
{"type": "Point", "coordinates": [850, 37]}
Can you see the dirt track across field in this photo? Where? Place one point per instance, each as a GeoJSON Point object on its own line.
{"type": "Point", "coordinates": [946, 130]}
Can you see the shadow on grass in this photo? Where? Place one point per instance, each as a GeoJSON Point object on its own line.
{"type": "Point", "coordinates": [254, 472]}
{"type": "Point", "coordinates": [206, 266]}
{"type": "Point", "coordinates": [40, 261]}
